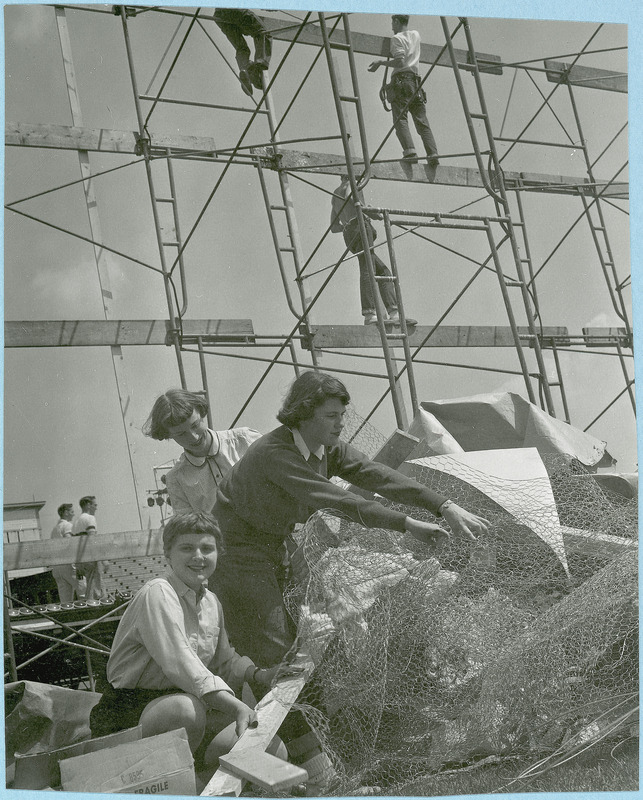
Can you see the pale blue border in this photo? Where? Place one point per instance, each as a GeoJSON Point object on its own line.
{"type": "Point", "coordinates": [629, 12]}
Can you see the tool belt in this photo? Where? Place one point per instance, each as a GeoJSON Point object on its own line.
{"type": "Point", "coordinates": [405, 87]}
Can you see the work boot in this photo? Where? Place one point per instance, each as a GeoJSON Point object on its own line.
{"type": "Point", "coordinates": [410, 157]}
{"type": "Point", "coordinates": [254, 73]}
{"type": "Point", "coordinates": [370, 318]}
{"type": "Point", "coordinates": [246, 84]}
{"type": "Point", "coordinates": [433, 160]}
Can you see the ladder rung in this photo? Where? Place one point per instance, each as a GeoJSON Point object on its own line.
{"type": "Point", "coordinates": [385, 278]}
{"type": "Point", "coordinates": [467, 67]}
{"type": "Point", "coordinates": [170, 244]}
{"type": "Point", "coordinates": [397, 336]}
{"type": "Point", "coordinates": [340, 46]}
{"type": "Point", "coordinates": [514, 283]}
{"type": "Point", "coordinates": [278, 208]}
{"type": "Point", "coordinates": [164, 199]}
{"type": "Point", "coordinates": [348, 98]}
{"type": "Point", "coordinates": [287, 249]}
{"type": "Point", "coordinates": [477, 115]}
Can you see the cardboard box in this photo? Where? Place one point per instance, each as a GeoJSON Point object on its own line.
{"type": "Point", "coordinates": [160, 764]}
{"type": "Point", "coordinates": [42, 770]}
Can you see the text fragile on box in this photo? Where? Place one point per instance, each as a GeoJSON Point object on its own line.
{"type": "Point", "coordinates": [160, 764]}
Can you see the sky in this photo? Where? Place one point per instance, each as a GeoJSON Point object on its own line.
{"type": "Point", "coordinates": [64, 435]}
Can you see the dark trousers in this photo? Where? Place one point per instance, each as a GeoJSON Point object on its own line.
{"type": "Point", "coordinates": [353, 241]}
{"type": "Point", "coordinates": [250, 586]}
{"type": "Point", "coordinates": [237, 23]}
{"type": "Point", "coordinates": [404, 95]}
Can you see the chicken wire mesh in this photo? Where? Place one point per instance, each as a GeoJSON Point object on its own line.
{"type": "Point", "coordinates": [429, 660]}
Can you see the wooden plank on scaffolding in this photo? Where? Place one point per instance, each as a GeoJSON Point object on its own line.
{"type": "Point", "coordinates": [73, 549]}
{"type": "Point", "coordinates": [101, 140]}
{"type": "Point", "coordinates": [129, 332]}
{"type": "Point", "coordinates": [356, 336]}
{"type": "Point", "coordinates": [64, 137]}
{"type": "Point", "coordinates": [607, 337]}
{"type": "Point", "coordinates": [590, 77]}
{"type": "Point", "coordinates": [446, 175]}
{"type": "Point", "coordinates": [373, 45]}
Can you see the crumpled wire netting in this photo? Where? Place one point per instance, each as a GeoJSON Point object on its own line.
{"type": "Point", "coordinates": [426, 660]}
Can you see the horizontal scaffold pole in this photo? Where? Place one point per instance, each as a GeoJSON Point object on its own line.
{"type": "Point", "coordinates": [122, 333]}
{"type": "Point", "coordinates": [102, 140]}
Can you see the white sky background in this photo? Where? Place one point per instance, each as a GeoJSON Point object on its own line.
{"type": "Point", "coordinates": [63, 430]}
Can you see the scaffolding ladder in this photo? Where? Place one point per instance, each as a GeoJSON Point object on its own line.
{"type": "Point", "coordinates": [389, 338]}
{"type": "Point", "coordinates": [498, 193]}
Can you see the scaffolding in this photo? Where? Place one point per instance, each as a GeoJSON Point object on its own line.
{"type": "Point", "coordinates": [501, 224]}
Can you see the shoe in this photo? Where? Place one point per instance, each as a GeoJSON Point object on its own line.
{"type": "Point", "coordinates": [433, 161]}
{"type": "Point", "coordinates": [394, 319]}
{"type": "Point", "coordinates": [410, 158]}
{"type": "Point", "coordinates": [246, 84]}
{"type": "Point", "coordinates": [370, 318]}
{"type": "Point", "coordinates": [254, 73]}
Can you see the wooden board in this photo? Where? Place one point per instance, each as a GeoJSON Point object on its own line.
{"type": "Point", "coordinates": [72, 549]}
{"type": "Point", "coordinates": [126, 332]}
{"type": "Point", "coordinates": [393, 452]}
{"type": "Point", "coordinates": [371, 44]}
{"type": "Point", "coordinates": [65, 137]}
{"type": "Point", "coordinates": [271, 711]}
{"type": "Point", "coordinates": [589, 77]}
{"type": "Point", "coordinates": [354, 336]}
{"type": "Point", "coordinates": [264, 770]}
{"type": "Point", "coordinates": [607, 337]}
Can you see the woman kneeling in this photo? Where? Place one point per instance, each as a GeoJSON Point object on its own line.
{"type": "Point", "coordinates": [171, 664]}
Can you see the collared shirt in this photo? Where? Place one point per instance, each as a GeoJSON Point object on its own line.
{"type": "Point", "coordinates": [405, 46]}
{"type": "Point", "coordinates": [62, 528]}
{"type": "Point", "coordinates": [272, 488]}
{"type": "Point", "coordinates": [192, 482]}
{"type": "Point", "coordinates": [170, 638]}
{"type": "Point", "coordinates": [347, 212]}
{"type": "Point", "coordinates": [303, 447]}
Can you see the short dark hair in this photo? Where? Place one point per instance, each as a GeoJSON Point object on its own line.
{"type": "Point", "coordinates": [186, 522]}
{"type": "Point", "coordinates": [307, 392]}
{"type": "Point", "coordinates": [403, 19]}
{"type": "Point", "coordinates": [64, 508]}
{"type": "Point", "coordinates": [171, 409]}
{"type": "Point", "coordinates": [86, 500]}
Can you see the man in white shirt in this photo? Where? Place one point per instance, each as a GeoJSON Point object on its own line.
{"type": "Point", "coordinates": [405, 93]}
{"type": "Point", "coordinates": [93, 571]}
{"type": "Point", "coordinates": [64, 574]}
{"type": "Point", "coordinates": [207, 454]}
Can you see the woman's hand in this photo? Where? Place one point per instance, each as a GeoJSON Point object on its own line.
{"type": "Point", "coordinates": [464, 522]}
{"type": "Point", "coordinates": [268, 677]}
{"type": "Point", "coordinates": [245, 718]}
{"type": "Point", "coordinates": [427, 532]}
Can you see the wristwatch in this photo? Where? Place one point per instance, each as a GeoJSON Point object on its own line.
{"type": "Point", "coordinates": [444, 507]}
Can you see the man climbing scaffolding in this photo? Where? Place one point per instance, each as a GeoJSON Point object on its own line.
{"type": "Point", "coordinates": [343, 219]}
{"type": "Point", "coordinates": [237, 23]}
{"type": "Point", "coordinates": [405, 93]}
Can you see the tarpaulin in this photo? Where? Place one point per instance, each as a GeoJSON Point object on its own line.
{"type": "Point", "coordinates": [501, 421]}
